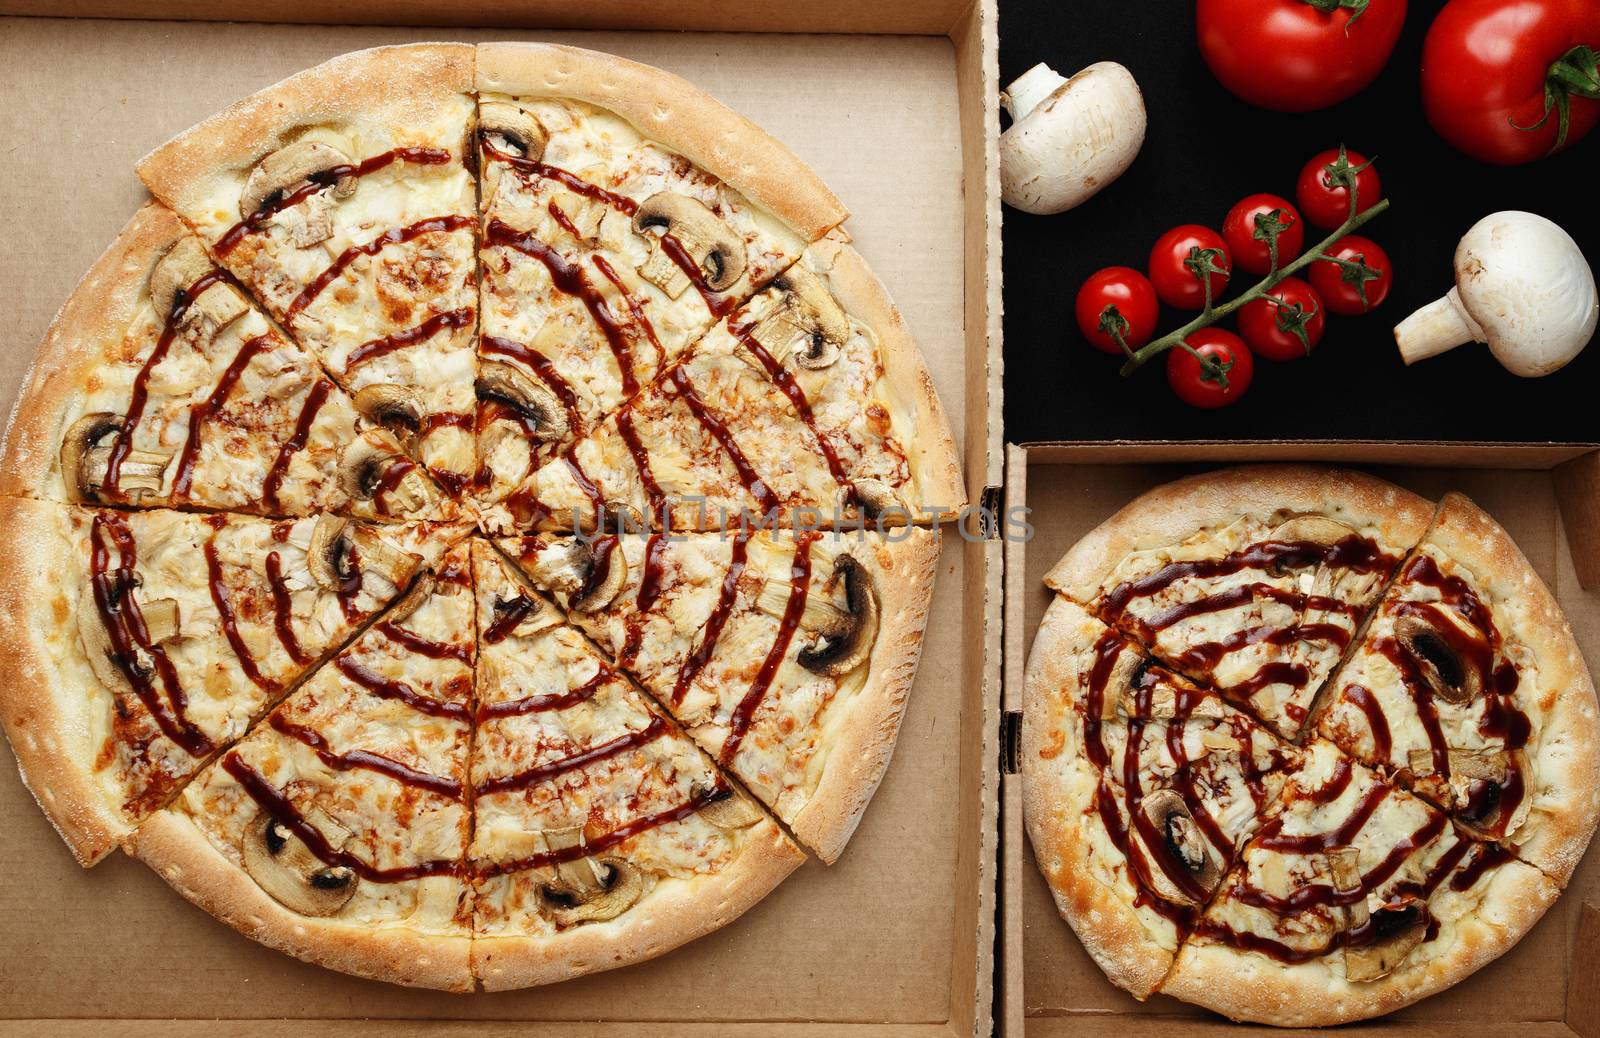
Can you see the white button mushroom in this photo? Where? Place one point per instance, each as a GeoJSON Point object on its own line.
{"type": "Point", "coordinates": [1068, 137]}
{"type": "Point", "coordinates": [1522, 286]}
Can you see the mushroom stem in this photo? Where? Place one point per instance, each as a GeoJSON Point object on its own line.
{"type": "Point", "coordinates": [1030, 89]}
{"type": "Point", "coordinates": [1437, 328]}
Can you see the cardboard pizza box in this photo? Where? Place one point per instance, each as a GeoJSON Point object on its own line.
{"type": "Point", "coordinates": [895, 104]}
{"type": "Point", "coordinates": [1547, 496]}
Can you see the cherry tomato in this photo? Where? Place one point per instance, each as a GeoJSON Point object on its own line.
{"type": "Point", "coordinates": [1486, 67]}
{"type": "Point", "coordinates": [1347, 289]}
{"type": "Point", "coordinates": [1226, 382]}
{"type": "Point", "coordinates": [1134, 300]}
{"type": "Point", "coordinates": [1268, 325]}
{"type": "Point", "coordinates": [1178, 257]}
{"type": "Point", "coordinates": [1248, 245]}
{"type": "Point", "coordinates": [1323, 198]}
{"type": "Point", "coordinates": [1296, 55]}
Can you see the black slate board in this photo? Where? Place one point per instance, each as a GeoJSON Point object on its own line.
{"type": "Point", "coordinates": [1205, 150]}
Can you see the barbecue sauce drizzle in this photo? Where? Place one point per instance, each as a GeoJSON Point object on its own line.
{"type": "Point", "coordinates": [582, 759]}
{"type": "Point", "coordinates": [365, 759]}
{"type": "Point", "coordinates": [715, 622]}
{"type": "Point", "coordinates": [753, 483]}
{"type": "Point", "coordinates": [422, 332]}
{"type": "Point", "coordinates": [230, 625]}
{"type": "Point", "coordinates": [139, 394]}
{"type": "Point", "coordinates": [793, 611]}
{"type": "Point", "coordinates": [570, 279]}
{"type": "Point", "coordinates": [786, 383]}
{"type": "Point", "coordinates": [126, 630]}
{"type": "Point", "coordinates": [317, 396]}
{"type": "Point", "coordinates": [396, 236]}
{"type": "Point", "coordinates": [283, 611]}
{"type": "Point", "coordinates": [202, 412]}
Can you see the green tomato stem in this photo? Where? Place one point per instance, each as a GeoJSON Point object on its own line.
{"type": "Point", "coordinates": [1211, 315]}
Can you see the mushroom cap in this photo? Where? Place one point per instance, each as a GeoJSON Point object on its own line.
{"type": "Point", "coordinates": [510, 385]}
{"type": "Point", "coordinates": [1080, 136]}
{"type": "Point", "coordinates": [285, 868]}
{"type": "Point", "coordinates": [282, 171]}
{"type": "Point", "coordinates": [845, 645]}
{"type": "Point", "coordinates": [1447, 673]}
{"type": "Point", "coordinates": [718, 248]}
{"type": "Point", "coordinates": [1524, 283]}
{"type": "Point", "coordinates": [512, 128]}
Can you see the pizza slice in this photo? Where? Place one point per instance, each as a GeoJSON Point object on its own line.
{"type": "Point", "coordinates": [787, 656]}
{"type": "Point", "coordinates": [161, 384]}
{"type": "Point", "coordinates": [1140, 789]}
{"type": "Point", "coordinates": [1469, 686]}
{"type": "Point", "coordinates": [342, 199]}
{"type": "Point", "coordinates": [605, 252]}
{"type": "Point", "coordinates": [809, 401]}
{"type": "Point", "coordinates": [603, 836]}
{"type": "Point", "coordinates": [1354, 899]}
{"type": "Point", "coordinates": [145, 641]}
{"type": "Point", "coordinates": [337, 830]}
{"type": "Point", "coordinates": [1253, 581]}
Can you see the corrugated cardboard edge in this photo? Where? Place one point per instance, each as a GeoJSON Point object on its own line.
{"type": "Point", "coordinates": [1575, 473]}
{"type": "Point", "coordinates": [976, 36]}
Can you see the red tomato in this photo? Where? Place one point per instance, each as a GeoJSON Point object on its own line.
{"type": "Point", "coordinates": [1295, 55]}
{"type": "Point", "coordinates": [1248, 245]}
{"type": "Point", "coordinates": [1221, 382]}
{"type": "Point", "coordinates": [1267, 325]}
{"type": "Point", "coordinates": [1179, 256]}
{"type": "Point", "coordinates": [1347, 289]}
{"type": "Point", "coordinates": [1486, 67]}
{"type": "Point", "coordinates": [1130, 296]}
{"type": "Point", "coordinates": [1322, 192]}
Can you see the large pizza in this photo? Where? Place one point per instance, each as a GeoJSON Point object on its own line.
{"type": "Point", "coordinates": [475, 525]}
{"type": "Point", "coordinates": [1302, 747]}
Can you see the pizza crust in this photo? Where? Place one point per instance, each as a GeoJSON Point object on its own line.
{"type": "Point", "coordinates": [1566, 762]}
{"type": "Point", "coordinates": [925, 430]}
{"type": "Point", "coordinates": [1250, 986]}
{"type": "Point", "coordinates": [176, 849]}
{"type": "Point", "coordinates": [406, 84]}
{"type": "Point", "coordinates": [864, 739]}
{"type": "Point", "coordinates": [675, 913]}
{"type": "Point", "coordinates": [1056, 806]}
{"type": "Point", "coordinates": [1176, 511]}
{"type": "Point", "coordinates": [43, 679]}
{"type": "Point", "coordinates": [93, 319]}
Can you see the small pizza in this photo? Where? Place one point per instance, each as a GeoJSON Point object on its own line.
{"type": "Point", "coordinates": [605, 253]}
{"type": "Point", "coordinates": [603, 835]}
{"type": "Point", "coordinates": [1253, 581]}
{"type": "Point", "coordinates": [143, 642]}
{"type": "Point", "coordinates": [1431, 786]}
{"type": "Point", "coordinates": [810, 400]}
{"type": "Point", "coordinates": [342, 199]}
{"type": "Point", "coordinates": [161, 383]}
{"type": "Point", "coordinates": [337, 830]}
{"type": "Point", "coordinates": [383, 323]}
{"type": "Point", "coordinates": [787, 656]}
{"type": "Point", "coordinates": [1468, 684]}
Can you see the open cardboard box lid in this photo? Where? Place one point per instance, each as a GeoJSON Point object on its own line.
{"type": "Point", "coordinates": [1048, 984]}
{"type": "Point", "coordinates": [896, 938]}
